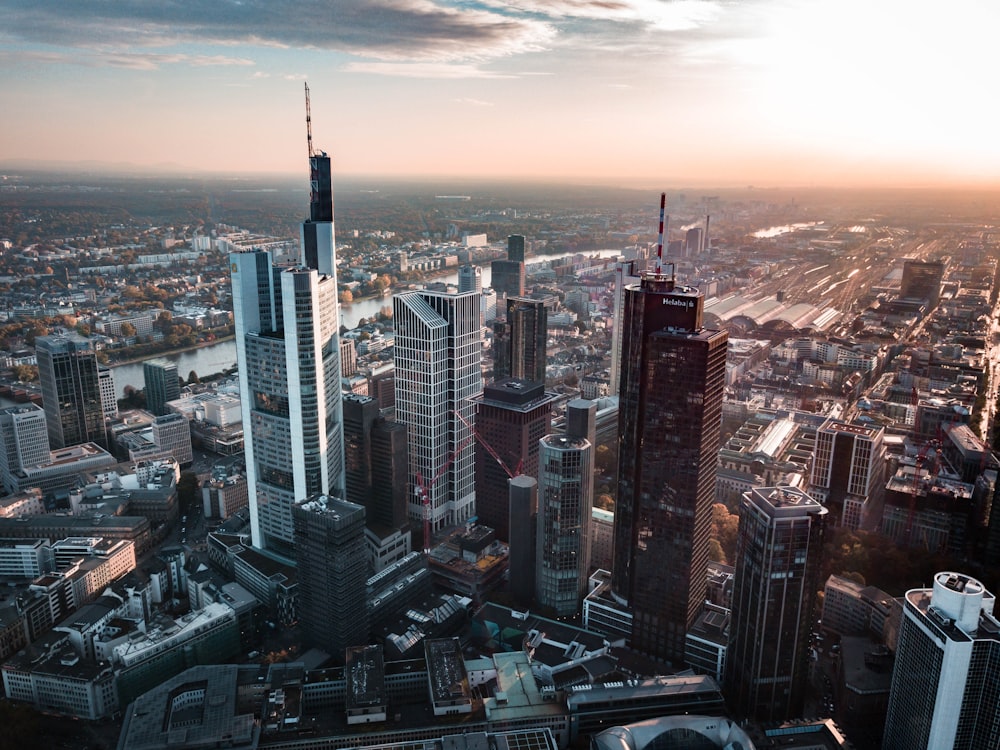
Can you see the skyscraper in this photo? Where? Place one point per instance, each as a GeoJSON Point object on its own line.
{"type": "Point", "coordinates": [626, 273]}
{"type": "Point", "coordinates": [515, 248]}
{"type": "Point", "coordinates": [922, 280]}
{"type": "Point", "coordinates": [438, 353]}
{"type": "Point", "coordinates": [162, 385]}
{"type": "Point", "coordinates": [778, 555]}
{"type": "Point", "coordinates": [288, 348]}
{"type": "Point", "coordinates": [520, 341]}
{"type": "Point", "coordinates": [565, 505]}
{"type": "Point", "coordinates": [507, 276]}
{"type": "Point", "coordinates": [470, 278]}
{"type": "Point", "coordinates": [946, 680]}
{"type": "Point", "coordinates": [848, 469]}
{"type": "Point", "coordinates": [670, 409]}
{"type": "Point", "coordinates": [332, 571]}
{"type": "Point", "coordinates": [71, 390]}
{"type": "Point", "coordinates": [375, 477]}
{"type": "Point", "coordinates": [24, 441]}
{"type": "Point", "coordinates": [512, 416]}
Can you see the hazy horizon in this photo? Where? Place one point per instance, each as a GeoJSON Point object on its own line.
{"type": "Point", "coordinates": [631, 93]}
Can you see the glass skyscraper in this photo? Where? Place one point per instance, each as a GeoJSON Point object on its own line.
{"type": "Point", "coordinates": [288, 348]}
{"type": "Point", "coordinates": [670, 409]}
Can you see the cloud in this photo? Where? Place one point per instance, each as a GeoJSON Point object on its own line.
{"type": "Point", "coordinates": [130, 60]}
{"type": "Point", "coordinates": [665, 15]}
{"type": "Point", "coordinates": [388, 30]}
{"type": "Point", "coordinates": [424, 70]}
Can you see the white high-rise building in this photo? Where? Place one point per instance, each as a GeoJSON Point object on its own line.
{"type": "Point", "coordinates": [946, 680]}
{"type": "Point", "coordinates": [24, 441]}
{"type": "Point", "coordinates": [288, 348]}
{"type": "Point", "coordinates": [438, 354]}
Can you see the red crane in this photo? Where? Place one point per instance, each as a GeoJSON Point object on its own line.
{"type": "Point", "coordinates": [489, 449]}
{"type": "Point", "coordinates": [423, 488]}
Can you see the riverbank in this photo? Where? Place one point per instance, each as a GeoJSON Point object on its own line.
{"type": "Point", "coordinates": [169, 352]}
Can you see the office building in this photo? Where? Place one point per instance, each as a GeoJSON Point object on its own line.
{"type": "Point", "coordinates": [71, 390]}
{"type": "Point", "coordinates": [848, 471]}
{"type": "Point", "coordinates": [470, 278]}
{"type": "Point", "coordinates": [24, 440]}
{"type": "Point", "coordinates": [288, 349]}
{"type": "Point", "coordinates": [512, 416]}
{"type": "Point", "coordinates": [172, 436]}
{"type": "Point", "coordinates": [565, 506]}
{"type": "Point", "coordinates": [109, 396]}
{"type": "Point", "coordinates": [670, 409]}
{"type": "Point", "coordinates": [375, 461]}
{"type": "Point", "coordinates": [162, 384]}
{"type": "Point", "coordinates": [779, 550]}
{"type": "Point", "coordinates": [946, 681]}
{"type": "Point", "coordinates": [348, 358]}
{"type": "Point", "coordinates": [438, 354]}
{"type": "Point", "coordinates": [520, 340]}
{"type": "Point", "coordinates": [522, 549]}
{"type": "Point", "coordinates": [332, 572]}
{"type": "Point", "coordinates": [515, 247]}
{"type": "Point", "coordinates": [507, 276]}
{"type": "Point", "coordinates": [922, 281]}
{"type": "Point", "coordinates": [626, 274]}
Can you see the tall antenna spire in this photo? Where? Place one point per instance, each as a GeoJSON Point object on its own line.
{"type": "Point", "coordinates": [309, 124]}
{"type": "Point", "coordinates": [659, 243]}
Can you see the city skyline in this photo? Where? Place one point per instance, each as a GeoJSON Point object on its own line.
{"type": "Point", "coordinates": [775, 92]}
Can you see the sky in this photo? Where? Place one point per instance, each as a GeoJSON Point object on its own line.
{"type": "Point", "coordinates": [634, 93]}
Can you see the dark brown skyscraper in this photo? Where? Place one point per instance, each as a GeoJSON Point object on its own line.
{"type": "Point", "coordinates": [512, 416]}
{"type": "Point", "coordinates": [672, 379]}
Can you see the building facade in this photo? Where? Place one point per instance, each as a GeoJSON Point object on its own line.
{"type": "Point", "coordinates": [946, 681]}
{"type": "Point", "coordinates": [519, 344]}
{"type": "Point", "coordinates": [512, 416]}
{"type": "Point", "coordinates": [288, 348]}
{"type": "Point", "coordinates": [71, 390]}
{"type": "Point", "coordinates": [565, 506]}
{"type": "Point", "coordinates": [24, 440]}
{"type": "Point", "coordinates": [162, 384]}
{"type": "Point", "coordinates": [332, 572]}
{"type": "Point", "coordinates": [438, 355]}
{"type": "Point", "coordinates": [848, 472]}
{"type": "Point", "coordinates": [778, 554]}
{"type": "Point", "coordinates": [670, 408]}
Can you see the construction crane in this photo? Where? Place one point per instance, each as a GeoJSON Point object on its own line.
{"type": "Point", "coordinates": [423, 488]}
{"type": "Point", "coordinates": [489, 449]}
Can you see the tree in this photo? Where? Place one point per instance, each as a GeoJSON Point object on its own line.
{"type": "Point", "coordinates": [725, 528]}
{"type": "Point", "coordinates": [715, 553]}
{"type": "Point", "coordinates": [25, 373]}
{"type": "Point", "coordinates": [128, 330]}
{"type": "Point", "coordinates": [193, 378]}
{"type": "Point", "coordinates": [346, 297]}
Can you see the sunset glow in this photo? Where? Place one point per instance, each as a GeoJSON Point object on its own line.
{"type": "Point", "coordinates": [637, 92]}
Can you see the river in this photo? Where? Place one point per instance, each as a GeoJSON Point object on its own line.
{"type": "Point", "coordinates": [209, 360]}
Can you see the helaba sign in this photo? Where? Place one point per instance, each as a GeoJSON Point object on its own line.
{"type": "Point", "coordinates": [678, 302]}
